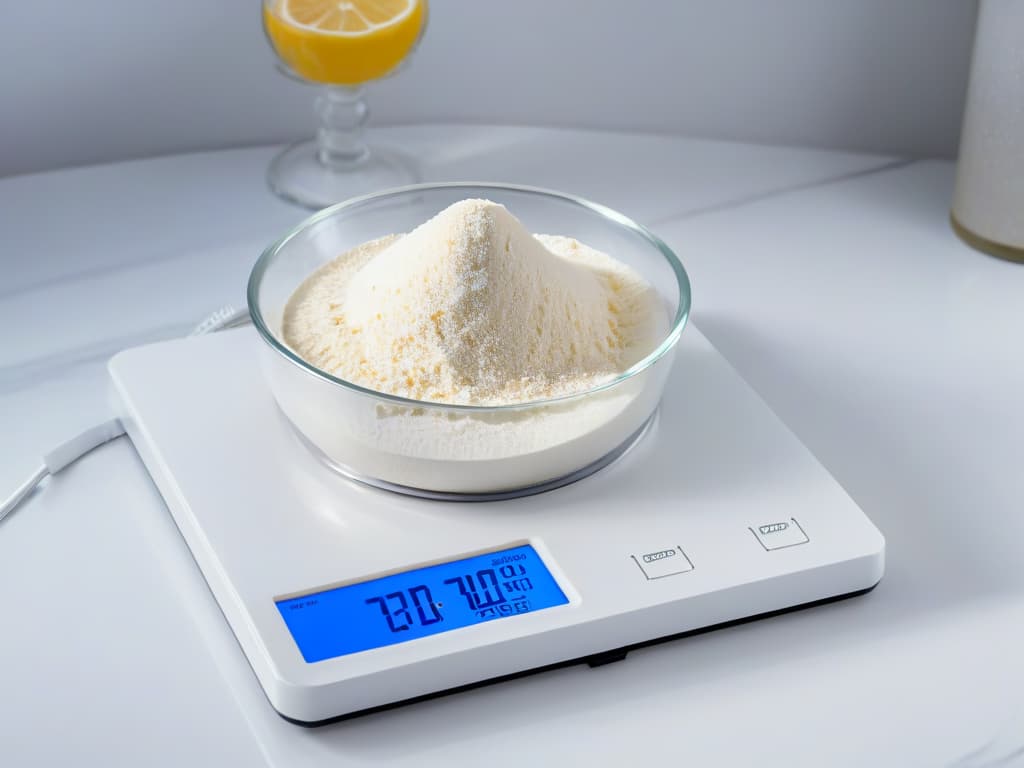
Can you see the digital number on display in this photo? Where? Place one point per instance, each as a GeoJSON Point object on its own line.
{"type": "Point", "coordinates": [421, 602]}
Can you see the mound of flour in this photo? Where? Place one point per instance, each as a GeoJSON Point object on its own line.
{"type": "Point", "coordinates": [471, 308]}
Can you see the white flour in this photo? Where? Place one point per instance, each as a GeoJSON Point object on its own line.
{"type": "Point", "coordinates": [470, 308]}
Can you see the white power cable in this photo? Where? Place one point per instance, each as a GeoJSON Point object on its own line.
{"type": "Point", "coordinates": [66, 453]}
{"type": "Point", "coordinates": [78, 446]}
{"type": "Point", "coordinates": [72, 450]}
{"type": "Point", "coordinates": [224, 318]}
{"type": "Point", "coordinates": [23, 490]}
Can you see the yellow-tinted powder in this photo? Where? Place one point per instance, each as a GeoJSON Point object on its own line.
{"type": "Point", "coordinates": [471, 308]}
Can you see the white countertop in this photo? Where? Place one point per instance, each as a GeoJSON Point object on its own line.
{"type": "Point", "coordinates": [830, 280]}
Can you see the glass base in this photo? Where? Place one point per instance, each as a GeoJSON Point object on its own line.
{"type": "Point", "coordinates": [983, 244]}
{"type": "Point", "coordinates": [298, 176]}
{"type": "Point", "coordinates": [513, 493]}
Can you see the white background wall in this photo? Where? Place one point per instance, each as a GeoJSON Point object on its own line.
{"type": "Point", "coordinates": [85, 82]}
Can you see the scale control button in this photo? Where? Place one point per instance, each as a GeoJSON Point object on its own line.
{"type": "Point", "coordinates": [779, 534]}
{"type": "Point", "coordinates": [663, 562]}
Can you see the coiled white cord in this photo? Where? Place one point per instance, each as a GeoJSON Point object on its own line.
{"type": "Point", "coordinates": [72, 450]}
{"type": "Point", "coordinates": [224, 318]}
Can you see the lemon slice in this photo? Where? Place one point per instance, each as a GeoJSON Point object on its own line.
{"type": "Point", "coordinates": [346, 17]}
{"type": "Point", "coordinates": [345, 42]}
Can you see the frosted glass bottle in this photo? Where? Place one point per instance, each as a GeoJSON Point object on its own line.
{"type": "Point", "coordinates": [988, 204]}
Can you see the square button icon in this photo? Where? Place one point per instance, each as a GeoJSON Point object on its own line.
{"type": "Point", "coordinates": [663, 562]}
{"type": "Point", "coordinates": [779, 534]}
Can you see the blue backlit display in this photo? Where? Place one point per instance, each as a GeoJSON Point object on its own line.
{"type": "Point", "coordinates": [421, 602]}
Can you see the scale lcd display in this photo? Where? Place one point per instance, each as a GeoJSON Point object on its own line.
{"type": "Point", "coordinates": [425, 601]}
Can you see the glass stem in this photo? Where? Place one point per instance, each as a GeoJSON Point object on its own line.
{"type": "Point", "coordinates": [343, 114]}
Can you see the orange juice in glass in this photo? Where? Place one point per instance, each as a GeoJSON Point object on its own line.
{"type": "Point", "coordinates": [340, 45]}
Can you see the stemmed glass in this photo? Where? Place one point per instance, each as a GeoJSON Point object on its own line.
{"type": "Point", "coordinates": [340, 46]}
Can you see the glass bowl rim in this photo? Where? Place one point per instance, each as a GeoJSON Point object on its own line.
{"type": "Point", "coordinates": [667, 343]}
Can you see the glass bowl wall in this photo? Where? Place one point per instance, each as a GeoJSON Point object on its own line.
{"type": "Point", "coordinates": [462, 451]}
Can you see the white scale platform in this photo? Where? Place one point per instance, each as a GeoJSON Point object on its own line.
{"type": "Point", "coordinates": [735, 516]}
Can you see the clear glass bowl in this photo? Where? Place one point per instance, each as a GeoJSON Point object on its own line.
{"type": "Point", "coordinates": [462, 451]}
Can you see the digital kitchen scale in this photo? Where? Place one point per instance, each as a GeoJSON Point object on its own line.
{"type": "Point", "coordinates": [346, 598]}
